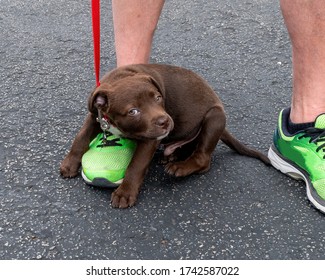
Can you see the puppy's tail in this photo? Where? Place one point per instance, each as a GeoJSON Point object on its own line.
{"type": "Point", "coordinates": [240, 148]}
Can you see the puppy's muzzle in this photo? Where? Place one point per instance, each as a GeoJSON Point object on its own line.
{"type": "Point", "coordinates": [164, 124]}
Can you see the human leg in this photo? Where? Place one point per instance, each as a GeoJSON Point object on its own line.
{"type": "Point", "coordinates": [298, 148]}
{"type": "Point", "coordinates": [305, 21]}
{"type": "Point", "coordinates": [134, 25]}
{"type": "Point", "coordinates": [108, 157]}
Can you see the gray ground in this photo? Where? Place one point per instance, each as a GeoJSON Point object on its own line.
{"type": "Point", "coordinates": [241, 209]}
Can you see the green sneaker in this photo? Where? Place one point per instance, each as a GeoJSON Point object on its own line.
{"type": "Point", "coordinates": [302, 156]}
{"type": "Point", "coordinates": [106, 161]}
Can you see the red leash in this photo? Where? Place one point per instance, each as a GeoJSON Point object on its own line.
{"type": "Point", "coordinates": [95, 5]}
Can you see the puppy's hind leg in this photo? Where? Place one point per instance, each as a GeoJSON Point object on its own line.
{"type": "Point", "coordinates": [212, 128]}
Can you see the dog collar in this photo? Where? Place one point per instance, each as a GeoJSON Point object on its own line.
{"type": "Point", "coordinates": [107, 126]}
{"type": "Point", "coordinates": [103, 121]}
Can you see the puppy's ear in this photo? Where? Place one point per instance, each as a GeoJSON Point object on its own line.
{"type": "Point", "coordinates": [158, 84]}
{"type": "Point", "coordinates": [98, 100]}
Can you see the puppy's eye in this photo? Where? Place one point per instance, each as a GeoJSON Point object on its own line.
{"type": "Point", "coordinates": [158, 98]}
{"type": "Point", "coordinates": [133, 112]}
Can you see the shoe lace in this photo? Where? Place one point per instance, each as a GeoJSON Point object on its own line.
{"type": "Point", "coordinates": [108, 143]}
{"type": "Point", "coordinates": [317, 136]}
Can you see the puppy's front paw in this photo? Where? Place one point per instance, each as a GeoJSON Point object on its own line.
{"type": "Point", "coordinates": [123, 199]}
{"type": "Point", "coordinates": [69, 168]}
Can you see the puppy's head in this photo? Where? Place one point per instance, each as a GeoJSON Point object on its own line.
{"type": "Point", "coordinates": [135, 106]}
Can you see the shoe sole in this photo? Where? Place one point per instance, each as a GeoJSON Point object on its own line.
{"type": "Point", "coordinates": [292, 170]}
{"type": "Point", "coordinates": [101, 182]}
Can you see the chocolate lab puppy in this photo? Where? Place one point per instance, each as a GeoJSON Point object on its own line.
{"type": "Point", "coordinates": [156, 104]}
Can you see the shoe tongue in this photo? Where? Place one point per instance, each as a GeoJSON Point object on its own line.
{"type": "Point", "coordinates": [320, 121]}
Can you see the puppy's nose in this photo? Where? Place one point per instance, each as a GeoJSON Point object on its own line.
{"type": "Point", "coordinates": [162, 121]}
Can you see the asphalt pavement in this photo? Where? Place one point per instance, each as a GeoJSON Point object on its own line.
{"type": "Point", "coordinates": [240, 209]}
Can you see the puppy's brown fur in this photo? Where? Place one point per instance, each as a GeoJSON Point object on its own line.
{"type": "Point", "coordinates": [156, 104]}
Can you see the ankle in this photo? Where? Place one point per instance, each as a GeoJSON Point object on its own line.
{"type": "Point", "coordinates": [293, 128]}
{"type": "Point", "coordinates": [305, 115]}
